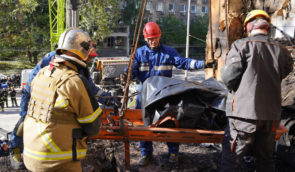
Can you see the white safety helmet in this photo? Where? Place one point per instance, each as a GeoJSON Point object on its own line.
{"type": "Point", "coordinates": [76, 41]}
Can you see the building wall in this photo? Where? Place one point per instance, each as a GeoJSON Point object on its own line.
{"type": "Point", "coordinates": [156, 9]}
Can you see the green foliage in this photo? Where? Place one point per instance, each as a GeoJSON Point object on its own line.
{"type": "Point", "coordinates": [99, 16]}
{"type": "Point", "coordinates": [26, 28]}
{"type": "Point", "coordinates": [15, 65]}
{"type": "Point", "coordinates": [199, 29]}
{"type": "Point", "coordinates": [173, 30]}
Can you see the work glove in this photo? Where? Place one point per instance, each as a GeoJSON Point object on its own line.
{"type": "Point", "coordinates": [210, 63]}
{"type": "Point", "coordinates": [107, 99]}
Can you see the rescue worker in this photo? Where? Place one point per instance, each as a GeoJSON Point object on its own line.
{"type": "Point", "coordinates": [253, 71]}
{"type": "Point", "coordinates": [13, 97]}
{"type": "Point", "coordinates": [156, 59]}
{"type": "Point", "coordinates": [62, 110]}
{"type": "Point", "coordinates": [5, 96]}
{"type": "Point", "coordinates": [2, 100]}
{"type": "Point", "coordinates": [16, 142]}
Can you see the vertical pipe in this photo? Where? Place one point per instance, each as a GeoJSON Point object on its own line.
{"type": "Point", "coordinates": [226, 24]}
{"type": "Point", "coordinates": [211, 35]}
{"type": "Point", "coordinates": [68, 14]}
{"type": "Point", "coordinates": [187, 33]}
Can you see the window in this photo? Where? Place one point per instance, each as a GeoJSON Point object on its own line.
{"type": "Point", "coordinates": [182, 8]}
{"type": "Point", "coordinates": [148, 6]}
{"type": "Point", "coordinates": [193, 9]}
{"type": "Point", "coordinates": [171, 8]}
{"type": "Point", "coordinates": [160, 6]}
{"type": "Point", "coordinates": [204, 9]}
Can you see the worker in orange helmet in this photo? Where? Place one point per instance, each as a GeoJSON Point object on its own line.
{"type": "Point", "coordinates": [253, 71]}
{"type": "Point", "coordinates": [156, 59]}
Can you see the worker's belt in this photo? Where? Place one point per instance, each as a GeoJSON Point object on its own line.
{"type": "Point", "coordinates": [77, 133]}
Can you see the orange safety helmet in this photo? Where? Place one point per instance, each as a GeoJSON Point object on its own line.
{"type": "Point", "coordinates": [151, 30]}
{"type": "Point", "coordinates": [255, 14]}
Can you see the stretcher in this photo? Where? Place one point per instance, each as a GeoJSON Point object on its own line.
{"type": "Point", "coordinates": [131, 128]}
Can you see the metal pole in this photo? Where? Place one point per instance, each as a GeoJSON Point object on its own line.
{"type": "Point", "coordinates": [68, 14]}
{"type": "Point", "coordinates": [187, 33]}
{"type": "Point", "coordinates": [72, 13]}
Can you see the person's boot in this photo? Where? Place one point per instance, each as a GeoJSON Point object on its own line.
{"type": "Point", "coordinates": [173, 158]}
{"type": "Point", "coordinates": [16, 159]}
{"type": "Point", "coordinates": [145, 160]}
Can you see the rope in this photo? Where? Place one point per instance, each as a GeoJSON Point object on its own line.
{"type": "Point", "coordinates": [131, 60]}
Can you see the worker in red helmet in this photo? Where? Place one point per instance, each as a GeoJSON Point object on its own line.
{"type": "Point", "coordinates": [253, 71]}
{"type": "Point", "coordinates": [156, 59]}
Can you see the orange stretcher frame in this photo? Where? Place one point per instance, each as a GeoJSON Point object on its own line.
{"type": "Point", "coordinates": [134, 130]}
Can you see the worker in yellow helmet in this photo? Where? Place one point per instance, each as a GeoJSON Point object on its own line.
{"type": "Point", "coordinates": [253, 71]}
{"type": "Point", "coordinates": [62, 110]}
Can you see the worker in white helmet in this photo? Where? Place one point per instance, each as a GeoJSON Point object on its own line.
{"type": "Point", "coordinates": [62, 110]}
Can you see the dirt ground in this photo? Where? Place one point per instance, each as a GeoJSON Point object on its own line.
{"type": "Point", "coordinates": [192, 157]}
{"type": "Point", "coordinates": [109, 156]}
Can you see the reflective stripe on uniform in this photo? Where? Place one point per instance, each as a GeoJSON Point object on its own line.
{"type": "Point", "coordinates": [144, 68]}
{"type": "Point", "coordinates": [53, 155]}
{"type": "Point", "coordinates": [99, 93]}
{"type": "Point", "coordinates": [61, 104]}
{"type": "Point", "coordinates": [166, 67]}
{"type": "Point", "coordinates": [48, 141]}
{"type": "Point", "coordinates": [90, 118]}
{"type": "Point", "coordinates": [192, 64]}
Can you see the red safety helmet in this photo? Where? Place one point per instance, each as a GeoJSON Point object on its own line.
{"type": "Point", "coordinates": [151, 30]}
{"type": "Point", "coordinates": [93, 51]}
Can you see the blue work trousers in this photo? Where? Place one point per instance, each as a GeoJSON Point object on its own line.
{"type": "Point", "coordinates": [146, 148]}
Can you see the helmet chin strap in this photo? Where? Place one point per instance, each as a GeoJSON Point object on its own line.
{"type": "Point", "coordinates": [78, 61]}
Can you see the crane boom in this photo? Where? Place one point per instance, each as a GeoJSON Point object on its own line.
{"type": "Point", "coordinates": [56, 19]}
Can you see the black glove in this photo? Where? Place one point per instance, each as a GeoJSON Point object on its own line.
{"type": "Point", "coordinates": [211, 64]}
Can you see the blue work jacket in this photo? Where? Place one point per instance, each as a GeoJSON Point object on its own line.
{"type": "Point", "coordinates": [160, 62]}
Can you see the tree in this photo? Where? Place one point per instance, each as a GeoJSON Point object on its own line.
{"type": "Point", "coordinates": [199, 29]}
{"type": "Point", "coordinates": [26, 28]}
{"type": "Point", "coordinates": [173, 30]}
{"type": "Point", "coordinates": [25, 25]}
{"type": "Point", "coordinates": [99, 17]}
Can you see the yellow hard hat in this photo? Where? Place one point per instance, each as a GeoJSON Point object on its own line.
{"type": "Point", "coordinates": [254, 14]}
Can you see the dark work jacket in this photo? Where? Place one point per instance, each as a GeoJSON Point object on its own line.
{"type": "Point", "coordinates": [253, 71]}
